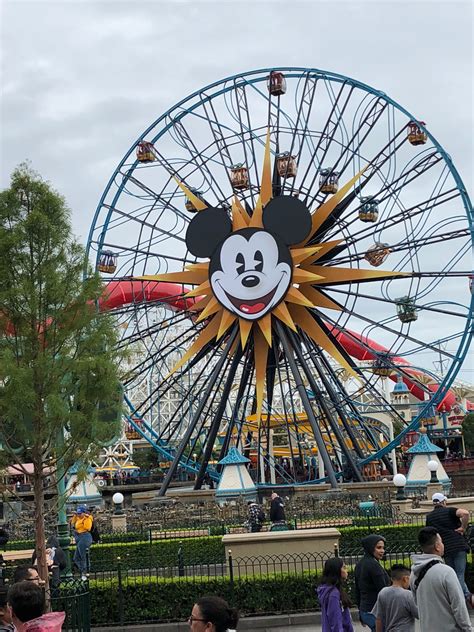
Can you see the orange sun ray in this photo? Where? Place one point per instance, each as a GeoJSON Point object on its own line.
{"type": "Point", "coordinates": [204, 288]}
{"type": "Point", "coordinates": [240, 217]}
{"type": "Point", "coordinates": [265, 188]}
{"type": "Point", "coordinates": [207, 334]}
{"type": "Point", "coordinates": [245, 327]}
{"type": "Point", "coordinates": [304, 254]}
{"type": "Point", "coordinates": [265, 325]}
{"type": "Point", "coordinates": [261, 355]}
{"type": "Point", "coordinates": [322, 250]}
{"type": "Point", "coordinates": [344, 275]}
{"type": "Point", "coordinates": [198, 204]}
{"type": "Point", "coordinates": [305, 276]}
{"type": "Point", "coordinates": [211, 308]}
{"type": "Point", "coordinates": [319, 299]}
{"type": "Point", "coordinates": [227, 319]}
{"type": "Point", "coordinates": [194, 277]}
{"type": "Point", "coordinates": [282, 313]}
{"type": "Point", "coordinates": [295, 296]}
{"type": "Point", "coordinates": [306, 322]}
{"type": "Point", "coordinates": [321, 214]}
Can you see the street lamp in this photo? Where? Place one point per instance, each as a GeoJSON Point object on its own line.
{"type": "Point", "coordinates": [433, 466]}
{"type": "Point", "coordinates": [118, 499]}
{"type": "Point", "coordinates": [399, 480]}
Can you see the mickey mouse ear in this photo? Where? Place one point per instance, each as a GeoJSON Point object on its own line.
{"type": "Point", "coordinates": [288, 217]}
{"type": "Point", "coordinates": [206, 231]}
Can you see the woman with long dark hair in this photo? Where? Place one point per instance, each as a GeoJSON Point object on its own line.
{"type": "Point", "coordinates": [213, 614]}
{"type": "Point", "coordinates": [335, 603]}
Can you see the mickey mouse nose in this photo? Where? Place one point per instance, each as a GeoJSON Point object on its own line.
{"type": "Point", "coordinates": [250, 280]}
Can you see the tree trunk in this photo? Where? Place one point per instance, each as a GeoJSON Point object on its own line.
{"type": "Point", "coordinates": [40, 537]}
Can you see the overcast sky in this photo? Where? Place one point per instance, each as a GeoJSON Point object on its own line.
{"type": "Point", "coordinates": [82, 80]}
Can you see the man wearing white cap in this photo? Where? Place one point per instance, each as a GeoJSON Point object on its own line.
{"type": "Point", "coordinates": [452, 523]}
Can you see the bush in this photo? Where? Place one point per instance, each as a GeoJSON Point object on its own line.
{"type": "Point", "coordinates": [163, 553]}
{"type": "Point", "coordinates": [156, 599]}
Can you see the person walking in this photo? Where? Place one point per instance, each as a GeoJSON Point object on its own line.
{"type": "Point", "coordinates": [370, 578]}
{"type": "Point", "coordinates": [82, 525]}
{"type": "Point", "coordinates": [436, 589]}
{"type": "Point", "coordinates": [452, 523]}
{"type": "Point", "coordinates": [395, 610]}
{"type": "Point", "coordinates": [213, 614]}
{"type": "Point", "coordinates": [256, 517]}
{"type": "Point", "coordinates": [335, 603]}
{"type": "Point", "coordinates": [277, 513]}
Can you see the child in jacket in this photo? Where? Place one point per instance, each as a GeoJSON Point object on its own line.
{"type": "Point", "coordinates": [335, 614]}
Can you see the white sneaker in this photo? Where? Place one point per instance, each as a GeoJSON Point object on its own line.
{"type": "Point", "coordinates": [84, 578]}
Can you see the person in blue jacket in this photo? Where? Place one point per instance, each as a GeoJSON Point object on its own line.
{"type": "Point", "coordinates": [335, 614]}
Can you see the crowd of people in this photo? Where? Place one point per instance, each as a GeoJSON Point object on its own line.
{"type": "Point", "coordinates": [433, 590]}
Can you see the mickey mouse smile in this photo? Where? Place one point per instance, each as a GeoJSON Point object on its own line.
{"type": "Point", "coordinates": [252, 306]}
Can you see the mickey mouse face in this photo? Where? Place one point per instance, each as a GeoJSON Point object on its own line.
{"type": "Point", "coordinates": [250, 273]}
{"type": "Point", "coordinates": [250, 269]}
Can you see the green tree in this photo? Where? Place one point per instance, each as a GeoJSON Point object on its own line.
{"type": "Point", "coordinates": [468, 431]}
{"type": "Point", "coordinates": [146, 459]}
{"type": "Point", "coordinates": [59, 373]}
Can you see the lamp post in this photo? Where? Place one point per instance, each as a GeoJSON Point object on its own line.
{"type": "Point", "coordinates": [433, 466]}
{"type": "Point", "coordinates": [118, 499]}
{"type": "Point", "coordinates": [399, 480]}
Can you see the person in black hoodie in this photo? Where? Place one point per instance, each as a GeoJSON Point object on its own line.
{"type": "Point", "coordinates": [370, 578]}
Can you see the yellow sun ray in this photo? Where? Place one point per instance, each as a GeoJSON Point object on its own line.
{"type": "Point", "coordinates": [323, 249]}
{"type": "Point", "coordinates": [318, 299]}
{"type": "Point", "coordinates": [207, 334]}
{"type": "Point", "coordinates": [212, 307]}
{"type": "Point", "coordinates": [321, 214]}
{"type": "Point", "coordinates": [265, 325]}
{"type": "Point", "coordinates": [266, 187]}
{"type": "Point", "coordinates": [304, 254]}
{"type": "Point", "coordinates": [261, 354]}
{"type": "Point", "coordinates": [344, 275]}
{"type": "Point", "coordinates": [204, 288]}
{"type": "Point", "coordinates": [295, 296]}
{"type": "Point", "coordinates": [281, 312]}
{"type": "Point", "coordinates": [245, 327]}
{"type": "Point", "coordinates": [306, 322]}
{"type": "Point", "coordinates": [204, 265]}
{"type": "Point", "coordinates": [240, 217]}
{"type": "Point", "coordinates": [227, 319]}
{"type": "Point", "coordinates": [198, 204]}
{"type": "Point", "coordinates": [194, 277]}
{"type": "Point", "coordinates": [305, 276]}
{"type": "Point", "coordinates": [200, 304]}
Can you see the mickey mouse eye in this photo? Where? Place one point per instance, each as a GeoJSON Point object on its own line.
{"type": "Point", "coordinates": [259, 261]}
{"type": "Point", "coordinates": [240, 261]}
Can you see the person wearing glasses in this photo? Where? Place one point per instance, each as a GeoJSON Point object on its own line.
{"type": "Point", "coordinates": [213, 614]}
{"type": "Point", "coordinates": [27, 573]}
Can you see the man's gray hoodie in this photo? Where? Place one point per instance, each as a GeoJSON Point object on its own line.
{"type": "Point", "coordinates": [440, 600]}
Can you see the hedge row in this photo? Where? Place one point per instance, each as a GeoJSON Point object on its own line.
{"type": "Point", "coordinates": [154, 599]}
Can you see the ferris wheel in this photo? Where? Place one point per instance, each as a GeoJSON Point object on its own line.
{"type": "Point", "coordinates": [276, 246]}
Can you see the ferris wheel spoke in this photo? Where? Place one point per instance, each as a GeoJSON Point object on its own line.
{"type": "Point", "coordinates": [386, 328]}
{"type": "Point", "coordinates": [391, 190]}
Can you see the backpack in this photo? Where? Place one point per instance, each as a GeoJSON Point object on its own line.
{"type": "Point", "coordinates": [261, 515]}
{"type": "Point", "coordinates": [95, 533]}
